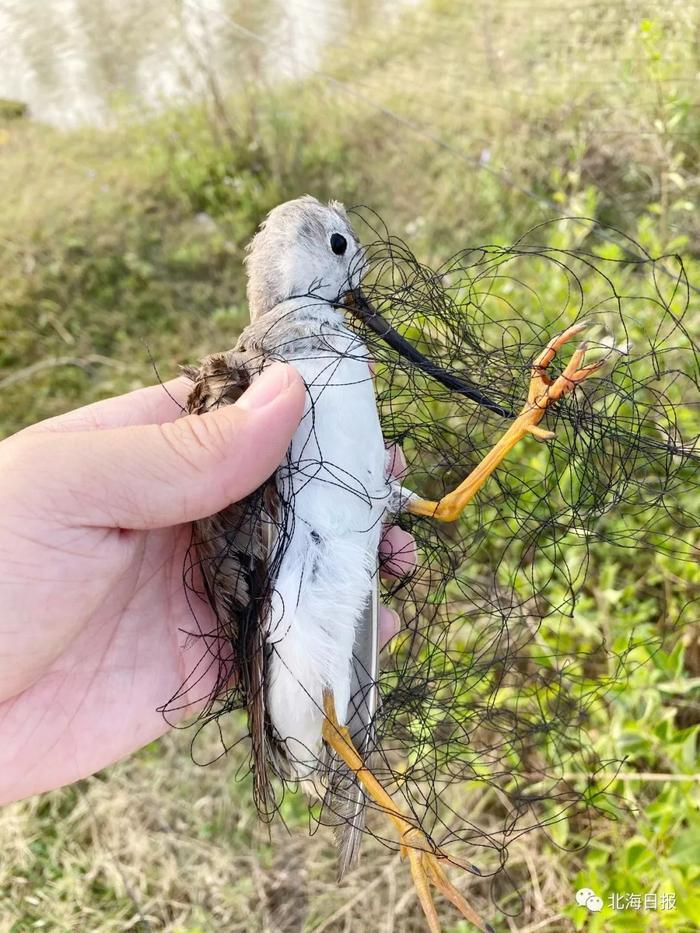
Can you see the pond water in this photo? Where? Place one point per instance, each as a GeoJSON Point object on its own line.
{"type": "Point", "coordinates": [77, 61]}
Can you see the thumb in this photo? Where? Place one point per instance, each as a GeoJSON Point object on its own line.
{"type": "Point", "coordinates": [153, 476]}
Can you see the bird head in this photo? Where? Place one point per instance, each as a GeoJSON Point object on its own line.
{"type": "Point", "coordinates": [306, 249]}
{"type": "Point", "coordinates": [303, 249]}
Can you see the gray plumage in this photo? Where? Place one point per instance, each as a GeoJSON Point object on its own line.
{"type": "Point", "coordinates": [347, 798]}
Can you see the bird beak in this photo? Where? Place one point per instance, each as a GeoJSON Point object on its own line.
{"type": "Point", "coordinates": [356, 302]}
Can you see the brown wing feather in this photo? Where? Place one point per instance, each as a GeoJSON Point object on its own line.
{"type": "Point", "coordinates": [233, 548]}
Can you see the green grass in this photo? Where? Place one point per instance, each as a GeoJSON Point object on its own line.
{"type": "Point", "coordinates": [121, 252]}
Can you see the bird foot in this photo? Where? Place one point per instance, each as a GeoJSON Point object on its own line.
{"type": "Point", "coordinates": [543, 389]}
{"type": "Point", "coordinates": [424, 858]}
{"type": "Point", "coordinates": [426, 868]}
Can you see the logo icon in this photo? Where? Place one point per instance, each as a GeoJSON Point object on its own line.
{"type": "Point", "coordinates": [586, 897]}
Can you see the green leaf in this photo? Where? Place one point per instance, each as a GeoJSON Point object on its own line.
{"type": "Point", "coordinates": [686, 848]}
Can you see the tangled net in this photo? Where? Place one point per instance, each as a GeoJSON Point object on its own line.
{"type": "Point", "coordinates": [487, 684]}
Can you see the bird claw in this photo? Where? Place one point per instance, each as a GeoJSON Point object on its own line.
{"type": "Point", "coordinates": [543, 389]}
{"type": "Point", "coordinates": [426, 870]}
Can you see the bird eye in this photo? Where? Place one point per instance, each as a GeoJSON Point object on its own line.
{"type": "Point", "coordinates": [338, 244]}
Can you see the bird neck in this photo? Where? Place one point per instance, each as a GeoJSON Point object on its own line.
{"type": "Point", "coordinates": [290, 320]}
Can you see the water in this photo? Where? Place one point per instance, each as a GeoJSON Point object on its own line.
{"type": "Point", "coordinates": [80, 61]}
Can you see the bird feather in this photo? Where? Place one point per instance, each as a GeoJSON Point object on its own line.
{"type": "Point", "coordinates": [234, 547]}
{"type": "Point", "coordinates": [347, 799]}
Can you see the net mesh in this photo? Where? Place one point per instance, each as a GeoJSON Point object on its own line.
{"type": "Point", "coordinates": [489, 685]}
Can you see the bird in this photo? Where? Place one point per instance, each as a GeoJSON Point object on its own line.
{"type": "Point", "coordinates": [292, 571]}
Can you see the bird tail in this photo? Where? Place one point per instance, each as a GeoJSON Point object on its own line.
{"type": "Point", "coordinates": [346, 799]}
{"type": "Point", "coordinates": [349, 832]}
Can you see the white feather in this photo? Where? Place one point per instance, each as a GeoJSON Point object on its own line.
{"type": "Point", "coordinates": [336, 481]}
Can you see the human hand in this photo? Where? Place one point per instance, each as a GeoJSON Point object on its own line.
{"type": "Point", "coordinates": [95, 509]}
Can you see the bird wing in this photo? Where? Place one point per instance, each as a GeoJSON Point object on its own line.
{"type": "Point", "coordinates": [233, 551]}
{"type": "Point", "coordinates": [347, 799]}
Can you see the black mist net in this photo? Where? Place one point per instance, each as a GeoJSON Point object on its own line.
{"type": "Point", "coordinates": [488, 687]}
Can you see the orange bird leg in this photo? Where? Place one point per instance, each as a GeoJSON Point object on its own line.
{"type": "Point", "coordinates": [424, 858]}
{"type": "Point", "coordinates": [542, 392]}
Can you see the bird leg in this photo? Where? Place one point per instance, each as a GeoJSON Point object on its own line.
{"type": "Point", "coordinates": [424, 858]}
{"type": "Point", "coordinates": [542, 392]}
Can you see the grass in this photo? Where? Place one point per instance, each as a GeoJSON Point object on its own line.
{"type": "Point", "coordinates": [121, 252]}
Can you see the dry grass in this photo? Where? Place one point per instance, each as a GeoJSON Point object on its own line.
{"type": "Point", "coordinates": [157, 843]}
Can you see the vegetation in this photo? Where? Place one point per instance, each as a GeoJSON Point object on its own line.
{"type": "Point", "coordinates": [121, 258]}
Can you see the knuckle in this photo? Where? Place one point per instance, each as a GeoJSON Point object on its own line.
{"type": "Point", "coordinates": [197, 440]}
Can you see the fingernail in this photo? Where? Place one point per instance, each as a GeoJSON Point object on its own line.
{"type": "Point", "coordinates": [267, 387]}
{"type": "Point", "coordinates": [389, 625]}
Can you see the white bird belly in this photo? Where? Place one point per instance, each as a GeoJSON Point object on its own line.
{"type": "Point", "coordinates": [338, 490]}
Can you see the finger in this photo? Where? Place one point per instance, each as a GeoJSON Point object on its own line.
{"type": "Point", "coordinates": [397, 553]}
{"type": "Point", "coordinates": [395, 461]}
{"type": "Point", "coordinates": [150, 405]}
{"type": "Point", "coordinates": [389, 625]}
{"type": "Point", "coordinates": [153, 476]}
